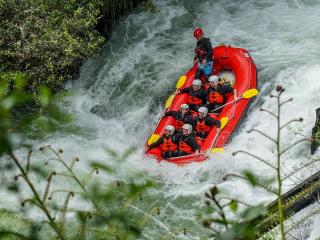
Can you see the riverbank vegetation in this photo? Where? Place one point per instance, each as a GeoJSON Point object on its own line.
{"type": "Point", "coordinates": [49, 40]}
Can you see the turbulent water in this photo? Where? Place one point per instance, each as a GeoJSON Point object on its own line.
{"type": "Point", "coordinates": [120, 94]}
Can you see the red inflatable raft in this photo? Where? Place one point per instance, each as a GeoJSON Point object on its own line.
{"type": "Point", "coordinates": [226, 59]}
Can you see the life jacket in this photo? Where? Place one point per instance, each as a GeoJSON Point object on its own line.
{"type": "Point", "coordinates": [183, 146]}
{"type": "Point", "coordinates": [215, 97]}
{"type": "Point", "coordinates": [201, 54]}
{"type": "Point", "coordinates": [168, 145]}
{"type": "Point", "coordinates": [202, 127]}
{"type": "Point", "coordinates": [194, 99]}
{"type": "Point", "coordinates": [178, 124]}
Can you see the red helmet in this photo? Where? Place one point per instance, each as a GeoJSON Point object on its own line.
{"type": "Point", "coordinates": [198, 32]}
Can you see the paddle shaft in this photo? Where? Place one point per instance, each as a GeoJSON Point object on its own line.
{"type": "Point", "coordinates": [215, 138]}
{"type": "Point", "coordinates": [247, 94]}
{"type": "Point", "coordinates": [235, 100]}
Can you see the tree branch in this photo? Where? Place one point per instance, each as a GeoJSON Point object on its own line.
{"type": "Point", "coordinates": [267, 111]}
{"type": "Point", "coordinates": [263, 134]}
{"type": "Point", "coordinates": [256, 157]}
{"type": "Point", "coordinates": [291, 121]}
{"type": "Point", "coordinates": [292, 145]}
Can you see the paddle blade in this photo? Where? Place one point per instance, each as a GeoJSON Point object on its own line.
{"type": "Point", "coordinates": [169, 101]}
{"type": "Point", "coordinates": [181, 81]}
{"type": "Point", "coordinates": [250, 93]}
{"type": "Point", "coordinates": [224, 122]}
{"type": "Point", "coordinates": [217, 150]}
{"type": "Point", "coordinates": [153, 139]}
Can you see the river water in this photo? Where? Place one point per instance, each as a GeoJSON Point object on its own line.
{"type": "Point", "coordinates": [120, 94]}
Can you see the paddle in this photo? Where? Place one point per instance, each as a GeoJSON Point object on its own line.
{"type": "Point", "coordinates": [179, 84]}
{"type": "Point", "coordinates": [154, 137]}
{"type": "Point", "coordinates": [247, 94]}
{"type": "Point", "coordinates": [224, 122]}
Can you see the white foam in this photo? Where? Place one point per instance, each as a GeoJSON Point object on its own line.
{"type": "Point", "coordinates": [119, 95]}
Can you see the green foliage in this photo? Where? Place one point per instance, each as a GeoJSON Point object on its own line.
{"type": "Point", "coordinates": [110, 212]}
{"type": "Point", "coordinates": [253, 221]}
{"type": "Point", "coordinates": [242, 225]}
{"type": "Point", "coordinates": [113, 7]}
{"type": "Point", "coordinates": [150, 6]}
{"type": "Point", "coordinates": [48, 40]}
{"type": "Point", "coordinates": [251, 178]}
{"type": "Point", "coordinates": [11, 94]}
{"type": "Point", "coordinates": [13, 225]}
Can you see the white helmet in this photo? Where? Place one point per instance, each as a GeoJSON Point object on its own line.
{"type": "Point", "coordinates": [203, 110]}
{"type": "Point", "coordinates": [170, 128]}
{"type": "Point", "coordinates": [188, 127]}
{"type": "Point", "coordinates": [184, 106]}
{"type": "Point", "coordinates": [214, 79]}
{"type": "Point", "coordinates": [197, 82]}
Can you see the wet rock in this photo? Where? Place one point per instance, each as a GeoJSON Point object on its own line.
{"type": "Point", "coordinates": [316, 133]}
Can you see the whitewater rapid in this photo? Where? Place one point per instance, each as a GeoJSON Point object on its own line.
{"type": "Point", "coordinates": [120, 94]}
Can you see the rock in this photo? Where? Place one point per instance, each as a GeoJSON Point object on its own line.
{"type": "Point", "coordinates": [316, 133]}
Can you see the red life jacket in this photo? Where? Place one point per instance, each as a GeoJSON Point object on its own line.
{"type": "Point", "coordinates": [194, 100]}
{"type": "Point", "coordinates": [183, 146]}
{"type": "Point", "coordinates": [202, 127]}
{"type": "Point", "coordinates": [168, 145]}
{"type": "Point", "coordinates": [201, 54]}
{"type": "Point", "coordinates": [215, 97]}
{"type": "Point", "coordinates": [178, 124]}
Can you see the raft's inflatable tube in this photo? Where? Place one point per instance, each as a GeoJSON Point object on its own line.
{"type": "Point", "coordinates": [226, 58]}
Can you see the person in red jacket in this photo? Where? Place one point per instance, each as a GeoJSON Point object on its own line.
{"type": "Point", "coordinates": [203, 54]}
{"type": "Point", "coordinates": [187, 143]}
{"type": "Point", "coordinates": [217, 94]}
{"type": "Point", "coordinates": [181, 117]}
{"type": "Point", "coordinates": [197, 94]}
{"type": "Point", "coordinates": [168, 142]}
{"type": "Point", "coordinates": [203, 123]}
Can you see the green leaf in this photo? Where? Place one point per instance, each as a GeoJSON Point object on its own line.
{"type": "Point", "coordinates": [13, 187]}
{"type": "Point", "coordinates": [214, 191]}
{"type": "Point", "coordinates": [101, 167]}
{"type": "Point", "coordinates": [233, 206]}
{"type": "Point", "coordinates": [20, 80]}
{"type": "Point", "coordinates": [4, 144]}
{"type": "Point", "coordinates": [45, 96]}
{"type": "Point", "coordinates": [251, 178]}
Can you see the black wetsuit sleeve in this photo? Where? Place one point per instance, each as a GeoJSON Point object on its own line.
{"type": "Point", "coordinates": [204, 96]}
{"type": "Point", "coordinates": [188, 119]}
{"type": "Point", "coordinates": [172, 113]}
{"type": "Point", "coordinates": [192, 142]}
{"type": "Point", "coordinates": [193, 122]}
{"type": "Point", "coordinates": [176, 138]}
{"type": "Point", "coordinates": [195, 53]}
{"type": "Point", "coordinates": [185, 90]}
{"type": "Point", "coordinates": [157, 143]}
{"type": "Point", "coordinates": [211, 122]}
{"type": "Point", "coordinates": [208, 48]}
{"type": "Point", "coordinates": [226, 89]}
{"type": "Point", "coordinates": [217, 123]}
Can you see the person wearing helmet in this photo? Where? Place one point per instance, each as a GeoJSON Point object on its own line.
{"type": "Point", "coordinates": [203, 54]}
{"type": "Point", "coordinates": [197, 94]}
{"type": "Point", "coordinates": [217, 94]}
{"type": "Point", "coordinates": [187, 143]}
{"type": "Point", "coordinates": [203, 123]}
{"type": "Point", "coordinates": [181, 117]}
{"type": "Point", "coordinates": [168, 142]}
